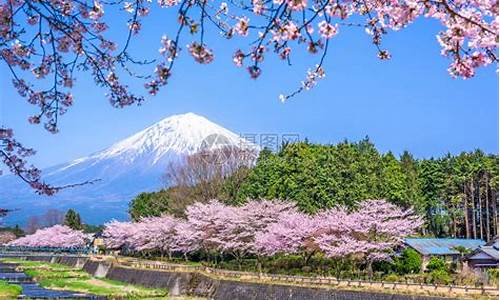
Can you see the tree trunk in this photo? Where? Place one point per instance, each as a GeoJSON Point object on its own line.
{"type": "Point", "coordinates": [259, 265]}
{"type": "Point", "coordinates": [480, 213]}
{"type": "Point", "coordinates": [369, 268]}
{"type": "Point", "coordinates": [308, 257]}
{"type": "Point", "coordinates": [495, 214]}
{"type": "Point", "coordinates": [466, 214]}
{"type": "Point", "coordinates": [454, 224]}
{"type": "Point", "coordinates": [473, 194]}
{"type": "Point", "coordinates": [239, 259]}
{"type": "Point", "coordinates": [487, 205]}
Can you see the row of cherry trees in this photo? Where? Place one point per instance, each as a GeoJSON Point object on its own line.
{"type": "Point", "coordinates": [265, 228]}
{"type": "Point", "coordinates": [58, 236]}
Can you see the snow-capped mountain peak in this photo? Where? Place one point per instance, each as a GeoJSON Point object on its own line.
{"type": "Point", "coordinates": [128, 167]}
{"type": "Point", "coordinates": [176, 135]}
{"type": "Point", "coordinates": [182, 134]}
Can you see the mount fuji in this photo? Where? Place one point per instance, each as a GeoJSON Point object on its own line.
{"type": "Point", "coordinates": [125, 169]}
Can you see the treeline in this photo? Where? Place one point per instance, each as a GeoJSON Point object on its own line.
{"type": "Point", "coordinates": [51, 217]}
{"type": "Point", "coordinates": [458, 195]}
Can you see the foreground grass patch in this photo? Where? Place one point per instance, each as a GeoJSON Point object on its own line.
{"type": "Point", "coordinates": [44, 270]}
{"type": "Point", "coordinates": [9, 291]}
{"type": "Point", "coordinates": [51, 274]}
{"type": "Point", "coordinates": [101, 287]}
{"type": "Point", "coordinates": [28, 264]}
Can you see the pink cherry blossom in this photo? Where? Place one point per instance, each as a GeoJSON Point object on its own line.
{"type": "Point", "coordinates": [118, 234]}
{"type": "Point", "coordinates": [59, 236]}
{"type": "Point", "coordinates": [269, 227]}
{"type": "Point", "coordinates": [293, 233]}
{"type": "Point", "coordinates": [327, 30]}
{"type": "Point", "coordinates": [241, 27]}
{"type": "Point", "coordinates": [200, 53]}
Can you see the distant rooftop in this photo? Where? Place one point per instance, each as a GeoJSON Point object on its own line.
{"type": "Point", "coordinates": [437, 246]}
{"type": "Point", "coordinates": [493, 244]}
{"type": "Point", "coordinates": [490, 251]}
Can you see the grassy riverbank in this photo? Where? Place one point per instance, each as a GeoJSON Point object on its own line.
{"type": "Point", "coordinates": [9, 291]}
{"type": "Point", "coordinates": [61, 277]}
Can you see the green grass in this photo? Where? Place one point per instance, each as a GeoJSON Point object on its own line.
{"type": "Point", "coordinates": [9, 291]}
{"type": "Point", "coordinates": [102, 287]}
{"type": "Point", "coordinates": [44, 270]}
{"type": "Point", "coordinates": [28, 264]}
{"type": "Point", "coordinates": [38, 274]}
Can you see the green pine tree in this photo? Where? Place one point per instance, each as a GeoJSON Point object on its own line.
{"type": "Point", "coordinates": [72, 220]}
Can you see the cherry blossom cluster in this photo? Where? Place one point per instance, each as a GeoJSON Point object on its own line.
{"type": "Point", "coordinates": [209, 227]}
{"type": "Point", "coordinates": [369, 233]}
{"type": "Point", "coordinates": [58, 236]}
{"type": "Point", "coordinates": [264, 228]}
{"type": "Point", "coordinates": [201, 53]}
{"type": "Point", "coordinates": [52, 39]}
{"type": "Point", "coordinates": [43, 44]}
{"type": "Point", "coordinates": [469, 38]}
{"type": "Point", "coordinates": [150, 234]}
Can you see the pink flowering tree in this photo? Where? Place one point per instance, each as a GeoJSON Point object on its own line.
{"type": "Point", "coordinates": [238, 236]}
{"type": "Point", "coordinates": [293, 233]}
{"type": "Point", "coordinates": [118, 235]}
{"type": "Point", "coordinates": [369, 233]}
{"type": "Point", "coordinates": [163, 235]}
{"type": "Point", "coordinates": [187, 239]}
{"type": "Point", "coordinates": [44, 43]}
{"type": "Point", "coordinates": [155, 234]}
{"type": "Point", "coordinates": [210, 220]}
{"type": "Point", "coordinates": [381, 227]}
{"type": "Point", "coordinates": [216, 228]}
{"type": "Point", "coordinates": [337, 238]}
{"type": "Point", "coordinates": [58, 236]}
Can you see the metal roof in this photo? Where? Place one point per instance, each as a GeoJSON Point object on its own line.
{"type": "Point", "coordinates": [490, 251]}
{"type": "Point", "coordinates": [437, 246]}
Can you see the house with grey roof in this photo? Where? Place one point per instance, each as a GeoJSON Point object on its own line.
{"type": "Point", "coordinates": [446, 248]}
{"type": "Point", "coordinates": [484, 257]}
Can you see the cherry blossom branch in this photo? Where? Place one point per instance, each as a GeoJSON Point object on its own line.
{"type": "Point", "coordinates": [13, 154]}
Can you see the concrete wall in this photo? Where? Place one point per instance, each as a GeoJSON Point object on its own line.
{"type": "Point", "coordinates": [254, 291]}
{"type": "Point", "coordinates": [177, 283]}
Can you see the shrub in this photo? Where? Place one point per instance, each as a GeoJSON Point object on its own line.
{"type": "Point", "coordinates": [416, 278]}
{"type": "Point", "coordinates": [440, 277]}
{"type": "Point", "coordinates": [410, 262]}
{"type": "Point", "coordinates": [392, 278]}
{"type": "Point", "coordinates": [467, 277]}
{"type": "Point", "coordinates": [493, 276]}
{"type": "Point", "coordinates": [437, 264]}
{"type": "Point", "coordinates": [386, 267]}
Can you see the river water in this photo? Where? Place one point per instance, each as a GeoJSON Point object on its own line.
{"type": "Point", "coordinates": [32, 290]}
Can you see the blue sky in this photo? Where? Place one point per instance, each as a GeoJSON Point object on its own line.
{"type": "Point", "coordinates": [407, 103]}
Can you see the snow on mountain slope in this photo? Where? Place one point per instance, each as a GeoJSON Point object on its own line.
{"type": "Point", "coordinates": [125, 169]}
